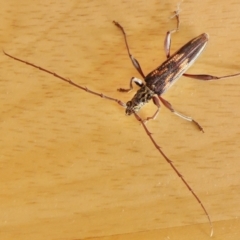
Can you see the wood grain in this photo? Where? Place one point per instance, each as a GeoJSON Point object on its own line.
{"type": "Point", "coordinates": [73, 166]}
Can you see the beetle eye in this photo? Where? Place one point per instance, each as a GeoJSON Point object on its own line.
{"type": "Point", "coordinates": [129, 104]}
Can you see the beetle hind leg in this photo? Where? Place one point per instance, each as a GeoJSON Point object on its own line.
{"type": "Point", "coordinates": [206, 77]}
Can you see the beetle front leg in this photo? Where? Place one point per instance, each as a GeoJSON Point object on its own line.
{"type": "Point", "coordinates": [136, 81]}
{"type": "Point", "coordinates": [157, 103]}
{"type": "Point", "coordinates": [169, 106]}
{"type": "Point", "coordinates": [133, 60]}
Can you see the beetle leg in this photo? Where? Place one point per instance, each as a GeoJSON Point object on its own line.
{"type": "Point", "coordinates": [157, 103]}
{"type": "Point", "coordinates": [167, 41]}
{"type": "Point", "coordinates": [206, 77]}
{"type": "Point", "coordinates": [134, 61]}
{"type": "Point", "coordinates": [136, 81]}
{"type": "Point", "coordinates": [169, 106]}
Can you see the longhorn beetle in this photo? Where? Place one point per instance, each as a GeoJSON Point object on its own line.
{"type": "Point", "coordinates": [156, 83]}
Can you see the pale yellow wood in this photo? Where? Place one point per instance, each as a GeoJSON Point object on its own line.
{"type": "Point", "coordinates": [73, 166]}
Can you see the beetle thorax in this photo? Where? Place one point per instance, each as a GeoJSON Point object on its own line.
{"type": "Point", "coordinates": [142, 96]}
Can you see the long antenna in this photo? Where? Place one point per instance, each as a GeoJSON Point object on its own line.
{"type": "Point", "coordinates": [137, 117]}
{"type": "Point", "coordinates": [174, 168]}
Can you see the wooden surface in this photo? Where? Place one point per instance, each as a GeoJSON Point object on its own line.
{"type": "Point", "coordinates": [73, 166]}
